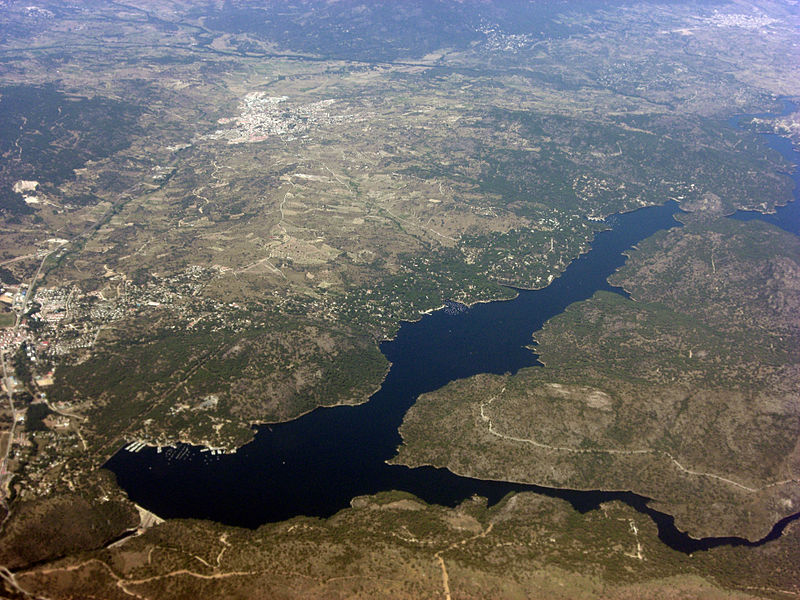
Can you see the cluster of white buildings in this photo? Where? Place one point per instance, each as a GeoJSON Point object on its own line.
{"type": "Point", "coordinates": [11, 339]}
{"type": "Point", "coordinates": [262, 116]}
{"type": "Point", "coordinates": [497, 40]}
{"type": "Point", "coordinates": [754, 21]}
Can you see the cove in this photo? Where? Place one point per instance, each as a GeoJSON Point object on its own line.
{"type": "Point", "coordinates": [786, 217]}
{"type": "Point", "coordinates": [317, 463]}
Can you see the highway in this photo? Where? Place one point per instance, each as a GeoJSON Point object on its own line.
{"type": "Point", "coordinates": [4, 461]}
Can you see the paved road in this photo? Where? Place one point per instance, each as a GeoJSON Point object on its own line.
{"type": "Point", "coordinates": [4, 461]}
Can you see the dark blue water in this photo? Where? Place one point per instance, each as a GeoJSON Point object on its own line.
{"type": "Point", "coordinates": [786, 217]}
{"type": "Point", "coordinates": [316, 464]}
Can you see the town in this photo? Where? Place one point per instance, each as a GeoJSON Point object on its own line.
{"type": "Point", "coordinates": [41, 327]}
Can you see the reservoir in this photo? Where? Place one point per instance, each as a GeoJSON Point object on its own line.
{"type": "Point", "coordinates": [786, 217]}
{"type": "Point", "coordinates": [317, 463]}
